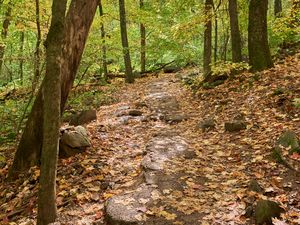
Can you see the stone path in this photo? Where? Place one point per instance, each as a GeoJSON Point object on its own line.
{"type": "Point", "coordinates": [142, 203]}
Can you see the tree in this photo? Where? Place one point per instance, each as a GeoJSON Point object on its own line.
{"type": "Point", "coordinates": [4, 32]}
{"type": "Point", "coordinates": [104, 57]}
{"type": "Point", "coordinates": [235, 32]}
{"type": "Point", "coordinates": [207, 38]}
{"type": "Point", "coordinates": [126, 53]}
{"type": "Point", "coordinates": [143, 42]}
{"type": "Point", "coordinates": [79, 18]}
{"type": "Point", "coordinates": [21, 55]}
{"type": "Point", "coordinates": [258, 46]}
{"type": "Point", "coordinates": [277, 8]}
{"type": "Point", "coordinates": [37, 57]}
{"type": "Point", "coordinates": [47, 211]}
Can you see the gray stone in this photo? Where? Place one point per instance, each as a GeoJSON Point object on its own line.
{"type": "Point", "coordinates": [265, 210]}
{"type": "Point", "coordinates": [129, 208]}
{"type": "Point", "coordinates": [207, 124]}
{"type": "Point", "coordinates": [73, 141]}
{"type": "Point", "coordinates": [289, 139]}
{"type": "Point", "coordinates": [162, 149]}
{"type": "Point", "coordinates": [235, 126]}
{"type": "Point", "coordinates": [173, 118]}
{"type": "Point", "coordinates": [84, 117]}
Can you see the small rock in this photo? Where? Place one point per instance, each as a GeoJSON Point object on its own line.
{"type": "Point", "coordinates": [265, 210]}
{"type": "Point", "coordinates": [254, 186]}
{"type": "Point", "coordinates": [289, 139]}
{"type": "Point", "coordinates": [207, 124]}
{"type": "Point", "coordinates": [84, 117]}
{"type": "Point", "coordinates": [135, 112]}
{"type": "Point", "coordinates": [174, 118]}
{"type": "Point", "coordinates": [235, 126]}
{"type": "Point", "coordinates": [73, 141]}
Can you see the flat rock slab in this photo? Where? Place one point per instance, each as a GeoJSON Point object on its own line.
{"type": "Point", "coordinates": [161, 149]}
{"type": "Point", "coordinates": [162, 102]}
{"type": "Point", "coordinates": [129, 208]}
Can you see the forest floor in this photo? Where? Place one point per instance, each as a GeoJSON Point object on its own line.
{"type": "Point", "coordinates": [202, 176]}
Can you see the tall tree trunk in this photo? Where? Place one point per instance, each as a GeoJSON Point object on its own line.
{"type": "Point", "coordinates": [207, 38]}
{"type": "Point", "coordinates": [216, 40]}
{"type": "Point", "coordinates": [37, 47]}
{"type": "Point", "coordinates": [258, 46]}
{"type": "Point", "coordinates": [277, 8]}
{"type": "Point", "coordinates": [47, 211]}
{"type": "Point", "coordinates": [143, 42]}
{"type": "Point", "coordinates": [126, 52]}
{"type": "Point", "coordinates": [21, 55]}
{"type": "Point", "coordinates": [79, 18]}
{"type": "Point", "coordinates": [4, 33]}
{"type": "Point", "coordinates": [236, 44]}
{"type": "Point", "coordinates": [104, 57]}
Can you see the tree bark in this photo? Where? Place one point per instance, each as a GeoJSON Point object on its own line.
{"type": "Point", "coordinates": [37, 47]}
{"type": "Point", "coordinates": [207, 38]}
{"type": "Point", "coordinates": [126, 53]}
{"type": "Point", "coordinates": [103, 34]}
{"type": "Point", "coordinates": [78, 22]}
{"type": "Point", "coordinates": [143, 42]}
{"type": "Point", "coordinates": [47, 211]}
{"type": "Point", "coordinates": [236, 45]}
{"type": "Point", "coordinates": [258, 46]}
{"type": "Point", "coordinates": [21, 55]}
{"type": "Point", "coordinates": [277, 8]}
{"type": "Point", "coordinates": [4, 33]}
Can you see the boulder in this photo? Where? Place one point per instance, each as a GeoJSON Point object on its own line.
{"type": "Point", "coordinates": [289, 139]}
{"type": "Point", "coordinates": [84, 117]}
{"type": "Point", "coordinates": [265, 210]}
{"type": "Point", "coordinates": [207, 124]}
{"type": "Point", "coordinates": [73, 140]}
{"type": "Point", "coordinates": [235, 126]}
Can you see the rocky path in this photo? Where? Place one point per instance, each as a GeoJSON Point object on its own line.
{"type": "Point", "coordinates": [181, 178]}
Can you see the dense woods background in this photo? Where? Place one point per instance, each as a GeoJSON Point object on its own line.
{"type": "Point", "coordinates": [50, 48]}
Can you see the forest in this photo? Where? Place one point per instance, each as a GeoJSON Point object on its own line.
{"type": "Point", "coordinates": [162, 112]}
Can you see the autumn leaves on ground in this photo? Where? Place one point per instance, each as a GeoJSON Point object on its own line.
{"type": "Point", "coordinates": [183, 152]}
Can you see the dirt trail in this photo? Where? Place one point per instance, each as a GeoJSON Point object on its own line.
{"type": "Point", "coordinates": [167, 170]}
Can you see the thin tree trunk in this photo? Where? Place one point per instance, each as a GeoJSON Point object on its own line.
{"type": "Point", "coordinates": [126, 53]}
{"type": "Point", "coordinates": [277, 8]}
{"type": "Point", "coordinates": [21, 72]}
{"type": "Point", "coordinates": [258, 46]}
{"type": "Point", "coordinates": [37, 56]}
{"type": "Point", "coordinates": [47, 211]}
{"type": "Point", "coordinates": [236, 43]}
{"type": "Point", "coordinates": [207, 38]}
{"type": "Point", "coordinates": [79, 19]}
{"type": "Point", "coordinates": [216, 40]}
{"type": "Point", "coordinates": [4, 33]}
{"type": "Point", "coordinates": [104, 57]}
{"type": "Point", "coordinates": [143, 42]}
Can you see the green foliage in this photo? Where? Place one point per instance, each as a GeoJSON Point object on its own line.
{"type": "Point", "coordinates": [228, 68]}
{"type": "Point", "coordinates": [296, 102]}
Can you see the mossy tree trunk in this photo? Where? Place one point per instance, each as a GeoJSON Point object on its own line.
{"type": "Point", "coordinates": [236, 44]}
{"type": "Point", "coordinates": [126, 53]}
{"type": "Point", "coordinates": [207, 38]}
{"type": "Point", "coordinates": [51, 92]}
{"type": "Point", "coordinates": [78, 21]}
{"type": "Point", "coordinates": [258, 46]}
